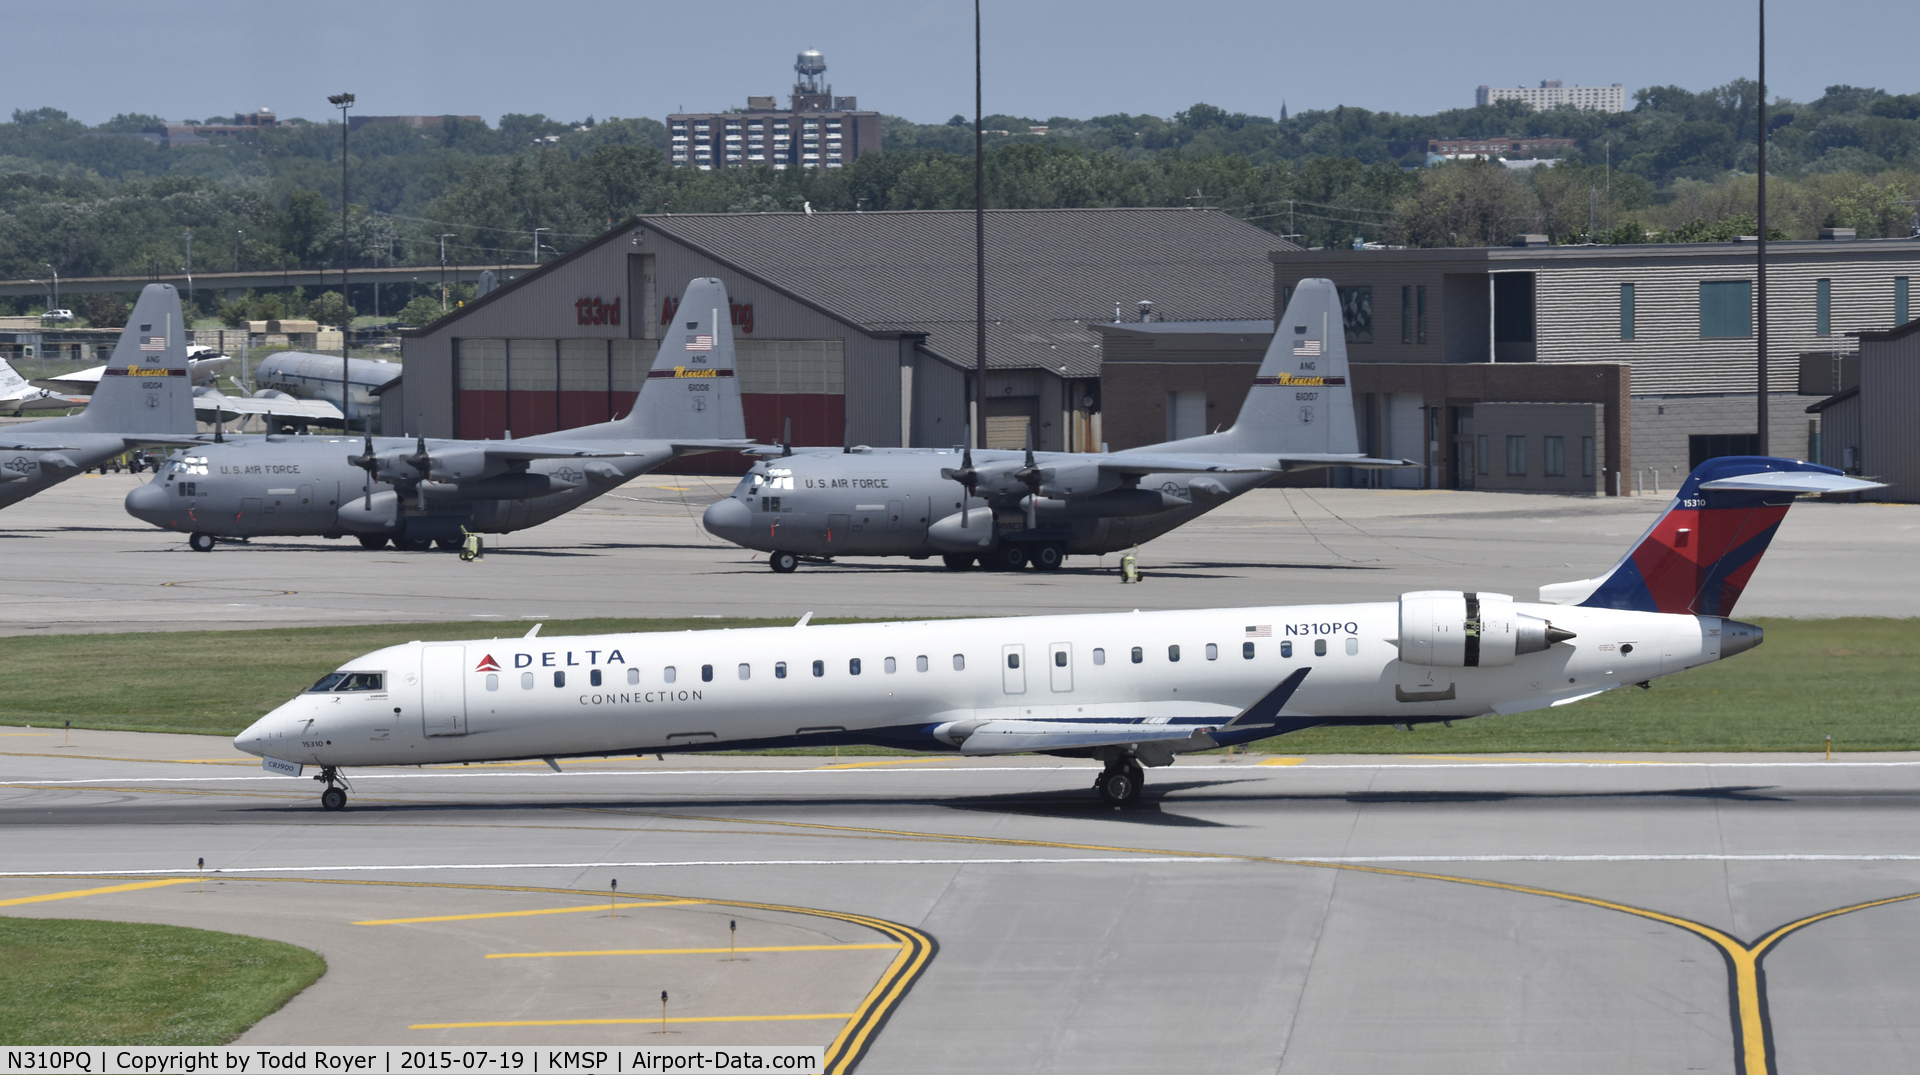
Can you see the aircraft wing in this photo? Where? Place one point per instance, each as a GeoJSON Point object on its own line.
{"type": "Point", "coordinates": [1024, 736]}
{"type": "Point", "coordinates": [1296, 461]}
{"type": "Point", "coordinates": [82, 382]}
{"type": "Point", "coordinates": [280, 407]}
{"type": "Point", "coordinates": [530, 452]}
{"type": "Point", "coordinates": [744, 447]}
{"type": "Point", "coordinates": [1135, 465]}
{"type": "Point", "coordinates": [22, 446]}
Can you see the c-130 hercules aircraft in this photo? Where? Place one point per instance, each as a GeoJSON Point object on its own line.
{"type": "Point", "coordinates": [1039, 507]}
{"type": "Point", "coordinates": [417, 491]}
{"type": "Point", "coordinates": [1125, 689]}
{"type": "Point", "coordinates": [145, 398]}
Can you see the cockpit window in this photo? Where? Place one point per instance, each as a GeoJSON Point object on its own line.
{"type": "Point", "coordinates": [334, 682]}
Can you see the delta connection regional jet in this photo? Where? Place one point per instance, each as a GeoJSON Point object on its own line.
{"type": "Point", "coordinates": [416, 491]}
{"type": "Point", "coordinates": [1128, 689]}
{"type": "Point", "coordinates": [1009, 509]}
{"type": "Point", "coordinates": [144, 398]}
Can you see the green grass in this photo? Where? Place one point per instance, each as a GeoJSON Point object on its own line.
{"type": "Point", "coordinates": [75, 982]}
{"type": "Point", "coordinates": [1856, 679]}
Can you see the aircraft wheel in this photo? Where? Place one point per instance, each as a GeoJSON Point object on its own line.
{"type": "Point", "coordinates": [333, 799]}
{"type": "Point", "coordinates": [1049, 557]}
{"type": "Point", "coordinates": [956, 562]}
{"type": "Point", "coordinates": [447, 544]}
{"type": "Point", "coordinates": [199, 542]}
{"type": "Point", "coordinates": [783, 562]}
{"type": "Point", "coordinates": [1121, 787]}
{"type": "Point", "coordinates": [373, 541]}
{"type": "Point", "coordinates": [1008, 557]}
{"type": "Point", "coordinates": [412, 544]}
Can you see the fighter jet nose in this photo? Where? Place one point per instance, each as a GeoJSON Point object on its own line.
{"type": "Point", "coordinates": [148, 503]}
{"type": "Point", "coordinates": [1737, 637]}
{"type": "Point", "coordinates": [728, 519]}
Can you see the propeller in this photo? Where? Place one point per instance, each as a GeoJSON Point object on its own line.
{"type": "Point", "coordinates": [423, 463]}
{"type": "Point", "coordinates": [967, 476]}
{"type": "Point", "coordinates": [366, 461]}
{"type": "Point", "coordinates": [1031, 476]}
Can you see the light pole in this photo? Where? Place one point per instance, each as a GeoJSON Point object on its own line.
{"type": "Point", "coordinates": [979, 253]}
{"type": "Point", "coordinates": [443, 270]}
{"type": "Point", "coordinates": [239, 240]}
{"type": "Point", "coordinates": [1760, 249]}
{"type": "Point", "coordinates": [189, 268]}
{"type": "Point", "coordinates": [536, 243]}
{"type": "Point", "coordinates": [56, 284]}
{"type": "Point", "coordinates": [343, 101]}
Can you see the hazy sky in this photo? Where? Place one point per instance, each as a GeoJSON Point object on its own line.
{"type": "Point", "coordinates": [913, 58]}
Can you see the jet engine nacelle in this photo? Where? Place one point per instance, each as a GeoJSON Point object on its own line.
{"type": "Point", "coordinates": [1451, 629]}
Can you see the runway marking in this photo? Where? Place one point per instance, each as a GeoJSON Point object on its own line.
{"type": "Point", "coordinates": [518, 914]}
{"type": "Point", "coordinates": [875, 764]}
{"type": "Point", "coordinates": [93, 891]}
{"type": "Point", "coordinates": [1280, 761]}
{"type": "Point", "coordinates": [645, 1022]}
{"type": "Point", "coordinates": [698, 951]}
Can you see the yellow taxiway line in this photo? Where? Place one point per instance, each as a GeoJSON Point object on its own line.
{"type": "Point", "coordinates": [699, 951]}
{"type": "Point", "coordinates": [97, 891]}
{"type": "Point", "coordinates": [1280, 761]}
{"type": "Point", "coordinates": [891, 761]}
{"type": "Point", "coordinates": [524, 914]}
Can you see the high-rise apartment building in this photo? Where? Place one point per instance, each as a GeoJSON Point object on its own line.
{"type": "Point", "coordinates": [818, 130]}
{"type": "Point", "coordinates": [1551, 93]}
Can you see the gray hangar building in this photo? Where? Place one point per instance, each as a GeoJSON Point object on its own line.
{"type": "Point", "coordinates": [858, 328]}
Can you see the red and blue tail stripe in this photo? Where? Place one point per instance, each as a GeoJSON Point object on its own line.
{"type": "Point", "coordinates": [1697, 558]}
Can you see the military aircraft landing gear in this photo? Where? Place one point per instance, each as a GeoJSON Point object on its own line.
{"type": "Point", "coordinates": [1008, 557]}
{"type": "Point", "coordinates": [447, 544]}
{"type": "Point", "coordinates": [335, 796]}
{"type": "Point", "coordinates": [956, 562]}
{"type": "Point", "coordinates": [1048, 556]}
{"type": "Point", "coordinates": [200, 542]}
{"type": "Point", "coordinates": [783, 562]}
{"type": "Point", "coordinates": [412, 544]}
{"type": "Point", "coordinates": [1120, 782]}
{"type": "Point", "coordinates": [373, 541]}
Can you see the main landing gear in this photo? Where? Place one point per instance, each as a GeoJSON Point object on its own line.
{"type": "Point", "coordinates": [200, 542]}
{"type": "Point", "coordinates": [1120, 782]}
{"type": "Point", "coordinates": [335, 797]}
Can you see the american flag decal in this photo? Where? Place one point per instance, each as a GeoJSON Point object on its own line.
{"type": "Point", "coordinates": [1264, 630]}
{"type": "Point", "coordinates": [700, 343]}
{"type": "Point", "coordinates": [1306, 347]}
{"type": "Point", "coordinates": [153, 343]}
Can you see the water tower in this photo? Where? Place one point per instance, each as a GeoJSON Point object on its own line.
{"type": "Point", "coordinates": [809, 67]}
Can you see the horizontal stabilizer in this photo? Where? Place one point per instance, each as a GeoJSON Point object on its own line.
{"type": "Point", "coordinates": [319, 410]}
{"type": "Point", "coordinates": [1793, 481]}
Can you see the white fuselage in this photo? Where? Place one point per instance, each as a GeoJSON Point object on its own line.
{"type": "Point", "coordinates": [915, 681]}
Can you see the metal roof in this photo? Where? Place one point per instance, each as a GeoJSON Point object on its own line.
{"type": "Point", "coordinates": [1050, 272]}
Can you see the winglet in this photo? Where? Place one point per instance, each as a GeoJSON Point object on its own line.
{"type": "Point", "coordinates": [1267, 710]}
{"type": "Point", "coordinates": [535, 631]}
{"type": "Point", "coordinates": [804, 619]}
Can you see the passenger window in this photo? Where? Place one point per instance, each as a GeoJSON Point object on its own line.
{"type": "Point", "coordinates": [706, 673]}
{"type": "Point", "coordinates": [920, 663]}
{"type": "Point", "coordinates": [669, 674]}
{"type": "Point", "coordinates": [1059, 658]}
{"type": "Point", "coordinates": [890, 666]}
{"type": "Point", "coordinates": [959, 662]}
{"type": "Point", "coordinates": [1136, 655]}
{"type": "Point", "coordinates": [493, 682]}
{"type": "Point", "coordinates": [1213, 652]}
{"type": "Point", "coordinates": [1246, 650]}
{"type": "Point", "coordinates": [853, 666]}
{"type": "Point", "coordinates": [1173, 654]}
{"type": "Point", "coordinates": [593, 677]}
{"type": "Point", "coordinates": [779, 669]}
{"type": "Point", "coordinates": [559, 679]}
{"type": "Point", "coordinates": [526, 681]}
{"type": "Point", "coordinates": [1099, 656]}
{"type": "Point", "coordinates": [1319, 647]}
{"type": "Point", "coordinates": [746, 671]}
{"type": "Point", "coordinates": [1013, 660]}
{"type": "Point", "coordinates": [1286, 649]}
{"type": "Point", "coordinates": [633, 676]}
{"type": "Point", "coordinates": [819, 669]}
{"type": "Point", "coordinates": [1353, 647]}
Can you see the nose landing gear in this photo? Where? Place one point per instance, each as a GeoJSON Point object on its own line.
{"type": "Point", "coordinates": [335, 796]}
